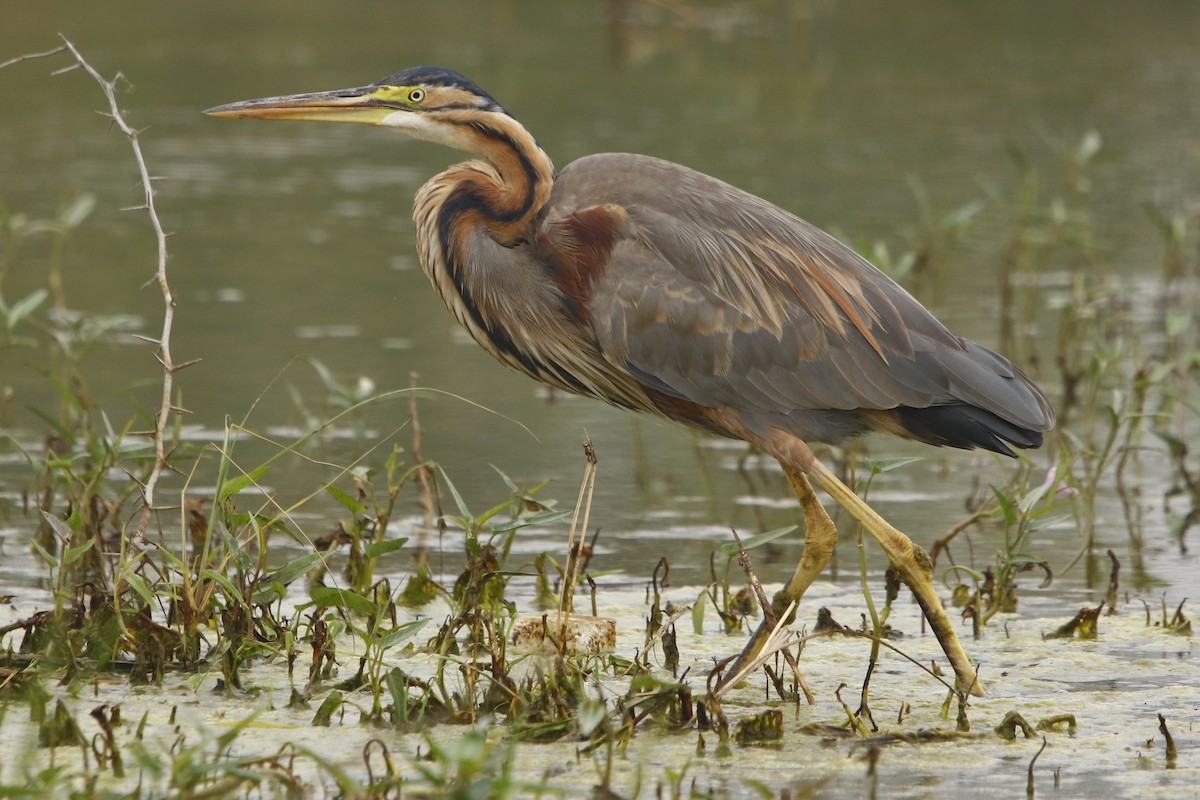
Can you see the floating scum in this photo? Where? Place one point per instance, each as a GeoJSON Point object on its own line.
{"type": "Point", "coordinates": [659, 289]}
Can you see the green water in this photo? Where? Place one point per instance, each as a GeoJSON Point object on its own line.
{"type": "Point", "coordinates": [293, 242]}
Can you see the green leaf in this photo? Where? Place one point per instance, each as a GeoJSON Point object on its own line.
{"type": "Point", "coordinates": [1032, 497]}
{"type": "Point", "coordinates": [240, 556]}
{"type": "Point", "coordinates": [512, 487]}
{"type": "Point", "coordinates": [698, 613]}
{"type": "Point", "coordinates": [346, 500]}
{"type": "Point", "coordinates": [74, 214]}
{"type": "Point", "coordinates": [235, 485]}
{"type": "Point", "coordinates": [1018, 559]}
{"type": "Point", "coordinates": [1160, 372]}
{"type": "Point", "coordinates": [961, 217]}
{"type": "Point", "coordinates": [136, 582]}
{"type": "Point", "coordinates": [880, 465]}
{"type": "Point", "coordinates": [1047, 522]}
{"type": "Point", "coordinates": [45, 554]}
{"type": "Point", "coordinates": [649, 683]}
{"type": "Point", "coordinates": [269, 594]}
{"type": "Point", "coordinates": [330, 597]}
{"type": "Point", "coordinates": [24, 307]}
{"type": "Point", "coordinates": [1177, 322]}
{"type": "Point", "coordinates": [397, 683]}
{"type": "Point", "coordinates": [294, 569]}
{"type": "Point", "coordinates": [401, 633]}
{"type": "Point", "coordinates": [328, 708]}
{"type": "Point", "coordinates": [377, 549]}
{"type": "Point", "coordinates": [68, 395]}
{"type": "Point", "coordinates": [327, 377]}
{"type": "Point", "coordinates": [420, 589]}
{"type": "Point", "coordinates": [493, 511]}
{"type": "Point", "coordinates": [590, 715]}
{"type": "Point", "coordinates": [976, 576]}
{"type": "Point", "coordinates": [542, 518]}
{"type": "Point", "coordinates": [73, 554]}
{"type": "Point", "coordinates": [730, 549]}
{"type": "Point", "coordinates": [1114, 416]}
{"type": "Point", "coordinates": [458, 501]}
{"type": "Point", "coordinates": [231, 591]}
{"type": "Point", "coordinates": [1006, 506]}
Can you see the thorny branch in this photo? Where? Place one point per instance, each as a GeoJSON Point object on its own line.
{"type": "Point", "coordinates": [30, 56]}
{"type": "Point", "coordinates": [162, 419]}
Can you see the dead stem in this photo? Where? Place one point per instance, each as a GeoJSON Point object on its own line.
{"type": "Point", "coordinates": [944, 542]}
{"type": "Point", "coordinates": [426, 484]}
{"type": "Point", "coordinates": [576, 534]}
{"type": "Point", "coordinates": [166, 408]}
{"type": "Point", "coordinates": [769, 619]}
{"type": "Point", "coordinates": [1172, 753]}
{"type": "Point", "coordinates": [1029, 782]}
{"type": "Point", "coordinates": [31, 56]}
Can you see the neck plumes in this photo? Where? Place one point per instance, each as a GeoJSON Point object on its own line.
{"type": "Point", "coordinates": [472, 219]}
{"type": "Point", "coordinates": [502, 193]}
{"type": "Point", "coordinates": [476, 243]}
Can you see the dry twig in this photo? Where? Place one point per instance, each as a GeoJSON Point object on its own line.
{"type": "Point", "coordinates": [163, 417]}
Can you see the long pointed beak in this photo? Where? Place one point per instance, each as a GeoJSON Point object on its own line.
{"type": "Point", "coordinates": [367, 104]}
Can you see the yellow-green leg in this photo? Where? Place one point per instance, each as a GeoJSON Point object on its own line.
{"type": "Point", "coordinates": [911, 562]}
{"type": "Point", "coordinates": [913, 567]}
{"type": "Point", "coordinates": [820, 539]}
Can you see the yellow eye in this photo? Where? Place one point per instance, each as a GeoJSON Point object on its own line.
{"type": "Point", "coordinates": [416, 95]}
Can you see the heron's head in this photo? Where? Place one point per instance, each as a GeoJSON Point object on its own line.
{"type": "Point", "coordinates": [431, 103]}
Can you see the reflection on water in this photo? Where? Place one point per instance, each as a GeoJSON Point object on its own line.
{"type": "Point", "coordinates": [293, 243]}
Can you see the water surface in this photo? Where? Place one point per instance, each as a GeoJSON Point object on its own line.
{"type": "Point", "coordinates": [293, 242]}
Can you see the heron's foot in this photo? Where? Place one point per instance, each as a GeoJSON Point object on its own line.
{"type": "Point", "coordinates": [915, 570]}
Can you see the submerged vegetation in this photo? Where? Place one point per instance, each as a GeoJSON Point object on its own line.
{"type": "Point", "coordinates": [216, 597]}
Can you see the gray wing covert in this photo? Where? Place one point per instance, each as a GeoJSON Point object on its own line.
{"type": "Point", "coordinates": [716, 296]}
{"type": "Point", "coordinates": [682, 336]}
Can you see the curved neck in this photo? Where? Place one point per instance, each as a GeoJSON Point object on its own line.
{"type": "Point", "coordinates": [505, 192]}
{"type": "Point", "coordinates": [471, 217]}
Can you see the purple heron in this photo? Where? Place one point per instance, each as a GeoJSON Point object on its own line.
{"type": "Point", "coordinates": [659, 289]}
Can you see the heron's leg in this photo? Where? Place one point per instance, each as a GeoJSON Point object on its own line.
{"type": "Point", "coordinates": [912, 565]}
{"type": "Point", "coordinates": [820, 537]}
{"type": "Point", "coordinates": [820, 540]}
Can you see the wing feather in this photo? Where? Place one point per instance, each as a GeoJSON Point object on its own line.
{"type": "Point", "coordinates": [717, 297]}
